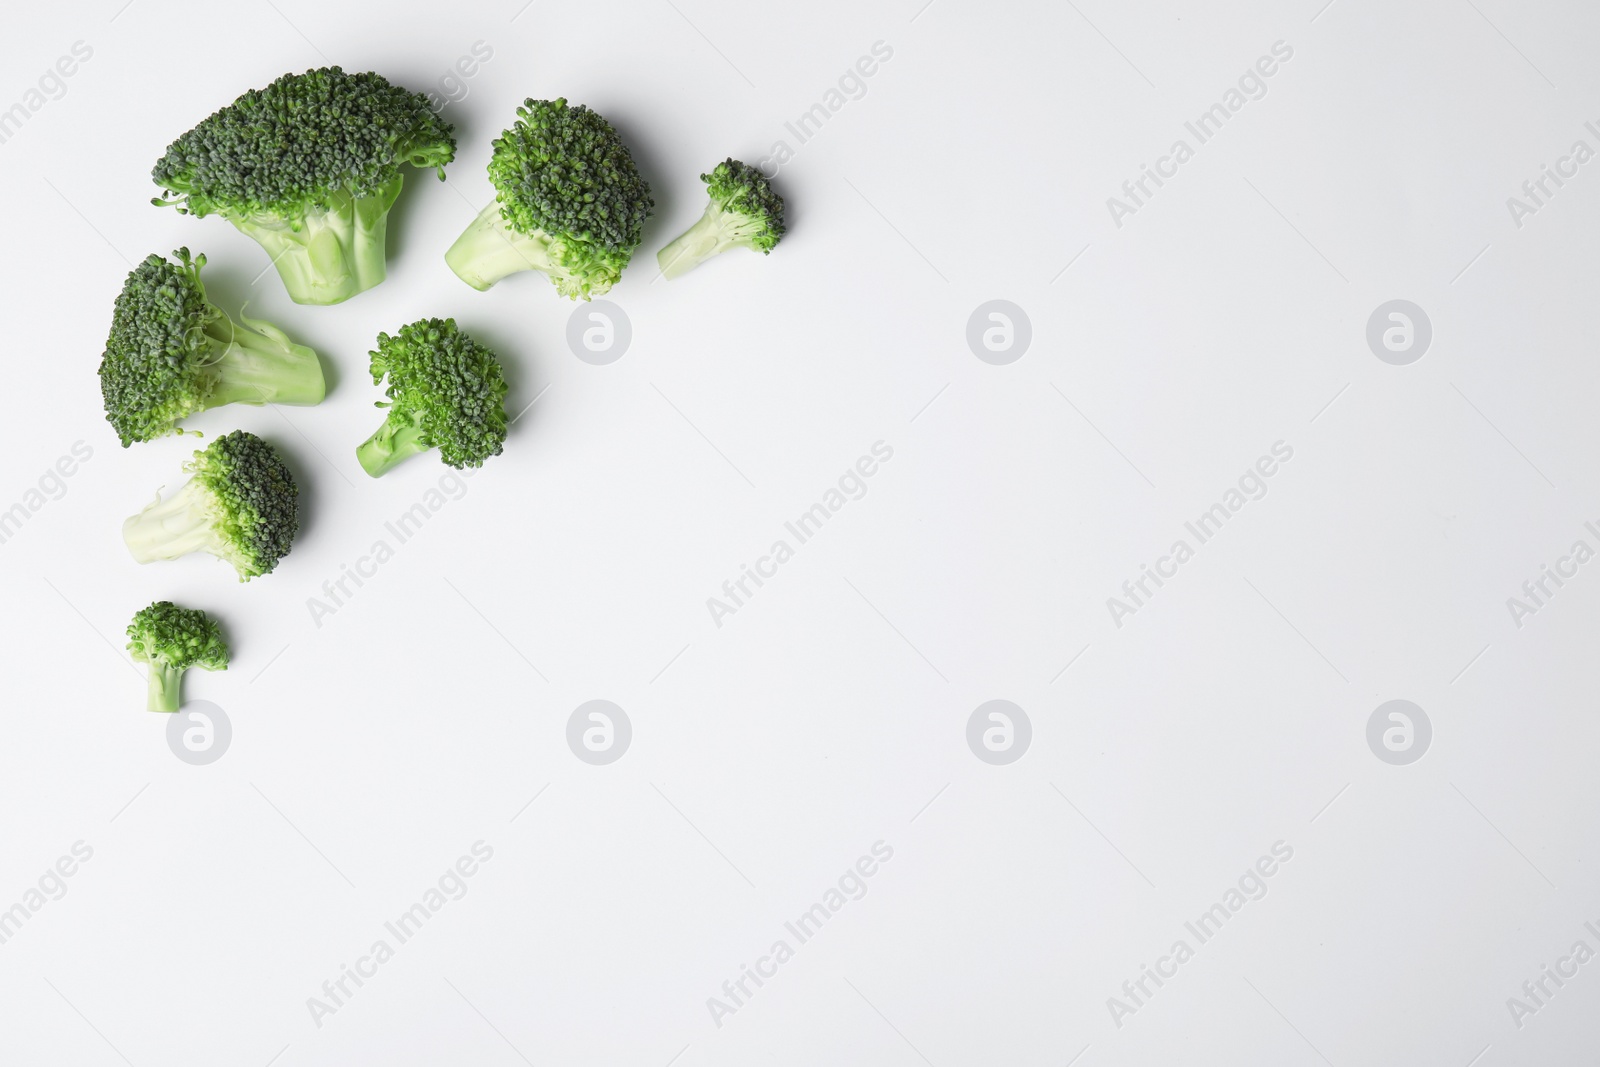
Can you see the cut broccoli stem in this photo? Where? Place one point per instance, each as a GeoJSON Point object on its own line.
{"type": "Point", "coordinates": [488, 250]}
{"type": "Point", "coordinates": [717, 231]}
{"type": "Point", "coordinates": [694, 246]}
{"type": "Point", "coordinates": [394, 442]}
{"type": "Point", "coordinates": [188, 521]}
{"type": "Point", "coordinates": [257, 364]}
{"type": "Point", "coordinates": [165, 688]}
{"type": "Point", "coordinates": [331, 255]}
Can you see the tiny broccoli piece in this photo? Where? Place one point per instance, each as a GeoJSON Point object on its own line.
{"type": "Point", "coordinates": [445, 391]}
{"type": "Point", "coordinates": [241, 505]}
{"type": "Point", "coordinates": [171, 640]}
{"type": "Point", "coordinates": [309, 167]}
{"type": "Point", "coordinates": [172, 353]}
{"type": "Point", "coordinates": [569, 202]}
{"type": "Point", "coordinates": [744, 212]}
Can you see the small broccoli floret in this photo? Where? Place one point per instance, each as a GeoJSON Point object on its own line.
{"type": "Point", "coordinates": [172, 353]}
{"type": "Point", "coordinates": [173, 639]}
{"type": "Point", "coordinates": [744, 212]}
{"type": "Point", "coordinates": [241, 505]}
{"type": "Point", "coordinates": [568, 202]}
{"type": "Point", "coordinates": [309, 167]}
{"type": "Point", "coordinates": [445, 391]}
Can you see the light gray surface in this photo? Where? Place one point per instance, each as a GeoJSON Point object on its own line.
{"type": "Point", "coordinates": [831, 711]}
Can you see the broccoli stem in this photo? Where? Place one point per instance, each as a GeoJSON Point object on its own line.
{"type": "Point", "coordinates": [394, 442]}
{"type": "Point", "coordinates": [488, 250]}
{"type": "Point", "coordinates": [327, 256]}
{"type": "Point", "coordinates": [708, 237]}
{"type": "Point", "coordinates": [258, 364]}
{"type": "Point", "coordinates": [165, 688]}
{"type": "Point", "coordinates": [185, 522]}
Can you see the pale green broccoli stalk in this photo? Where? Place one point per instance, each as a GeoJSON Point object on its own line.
{"type": "Point", "coordinates": [171, 640]}
{"type": "Point", "coordinates": [309, 167]}
{"type": "Point", "coordinates": [172, 352]}
{"type": "Point", "coordinates": [569, 202]}
{"type": "Point", "coordinates": [744, 212]}
{"type": "Point", "coordinates": [241, 505]}
{"type": "Point", "coordinates": [446, 391]}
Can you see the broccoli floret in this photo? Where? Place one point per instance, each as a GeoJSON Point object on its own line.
{"type": "Point", "coordinates": [744, 212]}
{"type": "Point", "coordinates": [309, 167]}
{"type": "Point", "coordinates": [173, 639]}
{"type": "Point", "coordinates": [568, 202]}
{"type": "Point", "coordinates": [172, 353]}
{"type": "Point", "coordinates": [241, 505]}
{"type": "Point", "coordinates": [445, 391]}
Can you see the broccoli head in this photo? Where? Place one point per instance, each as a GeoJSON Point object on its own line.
{"type": "Point", "coordinates": [241, 505]}
{"type": "Point", "coordinates": [171, 640]}
{"type": "Point", "coordinates": [445, 391]}
{"type": "Point", "coordinates": [568, 202]}
{"type": "Point", "coordinates": [172, 353]}
{"type": "Point", "coordinates": [744, 212]}
{"type": "Point", "coordinates": [309, 167]}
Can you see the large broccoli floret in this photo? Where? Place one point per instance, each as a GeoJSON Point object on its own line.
{"type": "Point", "coordinates": [173, 639]}
{"type": "Point", "coordinates": [309, 167]}
{"type": "Point", "coordinates": [744, 212]}
{"type": "Point", "coordinates": [242, 505]}
{"type": "Point", "coordinates": [172, 353]}
{"type": "Point", "coordinates": [568, 202]}
{"type": "Point", "coordinates": [445, 391]}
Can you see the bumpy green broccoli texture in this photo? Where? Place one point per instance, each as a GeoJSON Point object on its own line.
{"type": "Point", "coordinates": [171, 640]}
{"type": "Point", "coordinates": [309, 167]}
{"type": "Point", "coordinates": [172, 352]}
{"type": "Point", "coordinates": [446, 391]}
{"type": "Point", "coordinates": [569, 202]}
{"type": "Point", "coordinates": [241, 505]}
{"type": "Point", "coordinates": [744, 212]}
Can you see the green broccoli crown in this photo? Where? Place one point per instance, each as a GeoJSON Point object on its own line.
{"type": "Point", "coordinates": [741, 189]}
{"type": "Point", "coordinates": [564, 171]}
{"type": "Point", "coordinates": [286, 149]}
{"type": "Point", "coordinates": [171, 353]}
{"type": "Point", "coordinates": [153, 371]}
{"type": "Point", "coordinates": [255, 496]}
{"type": "Point", "coordinates": [177, 638]}
{"type": "Point", "coordinates": [446, 384]}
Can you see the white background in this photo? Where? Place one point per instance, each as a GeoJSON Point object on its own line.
{"type": "Point", "coordinates": [771, 752]}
